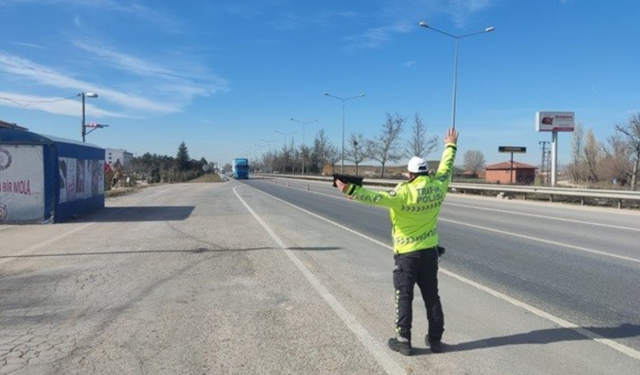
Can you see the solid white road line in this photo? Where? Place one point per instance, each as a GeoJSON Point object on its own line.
{"type": "Point", "coordinates": [534, 310]}
{"type": "Point", "coordinates": [380, 355]}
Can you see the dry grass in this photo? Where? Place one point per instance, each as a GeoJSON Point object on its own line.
{"type": "Point", "coordinates": [209, 177]}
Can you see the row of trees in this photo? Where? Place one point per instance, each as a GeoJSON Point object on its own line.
{"type": "Point", "coordinates": [386, 147]}
{"type": "Point", "coordinates": [614, 161]}
{"type": "Point", "coordinates": [161, 168]}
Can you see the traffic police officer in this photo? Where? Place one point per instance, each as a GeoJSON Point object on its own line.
{"type": "Point", "coordinates": [414, 207]}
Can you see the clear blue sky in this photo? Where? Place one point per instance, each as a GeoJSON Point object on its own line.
{"type": "Point", "coordinates": [223, 75]}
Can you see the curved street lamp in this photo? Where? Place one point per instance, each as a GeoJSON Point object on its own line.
{"type": "Point", "coordinates": [303, 144]}
{"type": "Point", "coordinates": [343, 101]}
{"type": "Point", "coordinates": [455, 62]}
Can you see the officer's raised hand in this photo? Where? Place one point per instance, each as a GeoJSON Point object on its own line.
{"type": "Point", "coordinates": [451, 137]}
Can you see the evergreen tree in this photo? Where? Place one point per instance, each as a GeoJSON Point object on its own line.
{"type": "Point", "coordinates": [182, 159]}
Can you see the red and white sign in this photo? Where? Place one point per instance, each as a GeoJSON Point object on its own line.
{"type": "Point", "coordinates": [555, 121]}
{"type": "Point", "coordinates": [21, 183]}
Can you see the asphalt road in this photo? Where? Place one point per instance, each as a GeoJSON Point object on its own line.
{"type": "Point", "coordinates": [265, 278]}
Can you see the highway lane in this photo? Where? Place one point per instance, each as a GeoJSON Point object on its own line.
{"type": "Point", "coordinates": [579, 264]}
{"type": "Point", "coordinates": [227, 279]}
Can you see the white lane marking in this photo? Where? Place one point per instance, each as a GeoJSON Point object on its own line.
{"type": "Point", "coordinates": [587, 250]}
{"type": "Point", "coordinates": [380, 355]}
{"type": "Point", "coordinates": [534, 310]}
{"type": "Point", "coordinates": [559, 321]}
{"type": "Point", "coordinates": [545, 217]}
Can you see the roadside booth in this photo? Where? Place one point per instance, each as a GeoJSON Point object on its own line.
{"type": "Point", "coordinates": [46, 179]}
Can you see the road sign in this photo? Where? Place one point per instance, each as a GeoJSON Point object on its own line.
{"type": "Point", "coordinates": [512, 149]}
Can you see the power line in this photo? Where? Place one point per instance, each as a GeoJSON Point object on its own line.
{"type": "Point", "coordinates": [26, 103]}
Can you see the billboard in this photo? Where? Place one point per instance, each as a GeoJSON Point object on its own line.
{"type": "Point", "coordinates": [21, 183]}
{"type": "Point", "coordinates": [555, 121]}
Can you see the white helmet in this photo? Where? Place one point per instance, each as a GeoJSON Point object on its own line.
{"type": "Point", "coordinates": [417, 165]}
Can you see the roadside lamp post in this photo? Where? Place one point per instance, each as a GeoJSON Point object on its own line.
{"type": "Point", "coordinates": [93, 127]}
{"type": "Point", "coordinates": [455, 62]}
{"type": "Point", "coordinates": [285, 137]}
{"type": "Point", "coordinates": [303, 144]}
{"type": "Point", "coordinates": [343, 102]}
{"type": "Point", "coordinates": [268, 143]}
{"type": "Point", "coordinates": [83, 126]}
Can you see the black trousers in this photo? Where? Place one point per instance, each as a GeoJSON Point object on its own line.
{"type": "Point", "coordinates": [418, 267]}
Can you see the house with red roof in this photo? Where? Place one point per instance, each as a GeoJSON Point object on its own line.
{"type": "Point", "coordinates": [510, 173]}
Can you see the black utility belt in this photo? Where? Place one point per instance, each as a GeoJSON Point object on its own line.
{"type": "Point", "coordinates": [441, 250]}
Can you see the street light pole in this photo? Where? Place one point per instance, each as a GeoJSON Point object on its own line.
{"type": "Point", "coordinates": [343, 105]}
{"type": "Point", "coordinates": [303, 144]}
{"type": "Point", "coordinates": [268, 143]}
{"type": "Point", "coordinates": [455, 62]}
{"type": "Point", "coordinates": [83, 125]}
{"type": "Point", "coordinates": [285, 137]}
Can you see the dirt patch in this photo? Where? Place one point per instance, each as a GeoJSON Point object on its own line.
{"type": "Point", "coordinates": [212, 177]}
{"type": "Point", "coordinates": [118, 192]}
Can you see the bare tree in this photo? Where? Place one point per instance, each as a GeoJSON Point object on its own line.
{"type": "Point", "coordinates": [357, 150]}
{"type": "Point", "coordinates": [332, 155]}
{"type": "Point", "coordinates": [616, 163]}
{"type": "Point", "coordinates": [386, 146]}
{"type": "Point", "coordinates": [592, 155]}
{"type": "Point", "coordinates": [474, 161]}
{"type": "Point", "coordinates": [317, 157]}
{"type": "Point", "coordinates": [420, 144]}
{"type": "Point", "coordinates": [576, 152]}
{"type": "Point", "coordinates": [632, 134]}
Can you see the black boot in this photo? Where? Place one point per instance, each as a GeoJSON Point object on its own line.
{"type": "Point", "coordinates": [402, 347]}
{"type": "Point", "coordinates": [434, 345]}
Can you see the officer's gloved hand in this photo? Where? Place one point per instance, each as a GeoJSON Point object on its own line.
{"type": "Point", "coordinates": [441, 251]}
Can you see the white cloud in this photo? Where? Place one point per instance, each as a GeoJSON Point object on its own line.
{"type": "Point", "coordinates": [69, 106]}
{"type": "Point", "coordinates": [25, 69]}
{"type": "Point", "coordinates": [400, 17]}
{"type": "Point", "coordinates": [182, 82]}
{"type": "Point", "coordinates": [375, 37]}
{"type": "Point", "coordinates": [23, 44]}
{"type": "Point", "coordinates": [409, 64]}
{"type": "Point", "coordinates": [460, 10]}
{"type": "Point", "coordinates": [152, 15]}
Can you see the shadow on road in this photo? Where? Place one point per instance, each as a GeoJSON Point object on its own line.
{"type": "Point", "coordinates": [192, 251]}
{"type": "Point", "coordinates": [137, 213]}
{"type": "Point", "coordinates": [547, 336]}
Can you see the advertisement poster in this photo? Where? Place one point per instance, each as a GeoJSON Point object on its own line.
{"type": "Point", "coordinates": [21, 183]}
{"type": "Point", "coordinates": [67, 179]}
{"type": "Point", "coordinates": [80, 179]}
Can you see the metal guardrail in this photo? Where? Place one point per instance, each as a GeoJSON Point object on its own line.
{"type": "Point", "coordinates": [600, 196]}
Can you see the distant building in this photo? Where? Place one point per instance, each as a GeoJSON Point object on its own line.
{"type": "Point", "coordinates": [505, 173]}
{"type": "Point", "coordinates": [114, 154]}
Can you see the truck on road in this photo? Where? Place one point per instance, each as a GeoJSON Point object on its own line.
{"type": "Point", "coordinates": [240, 168]}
